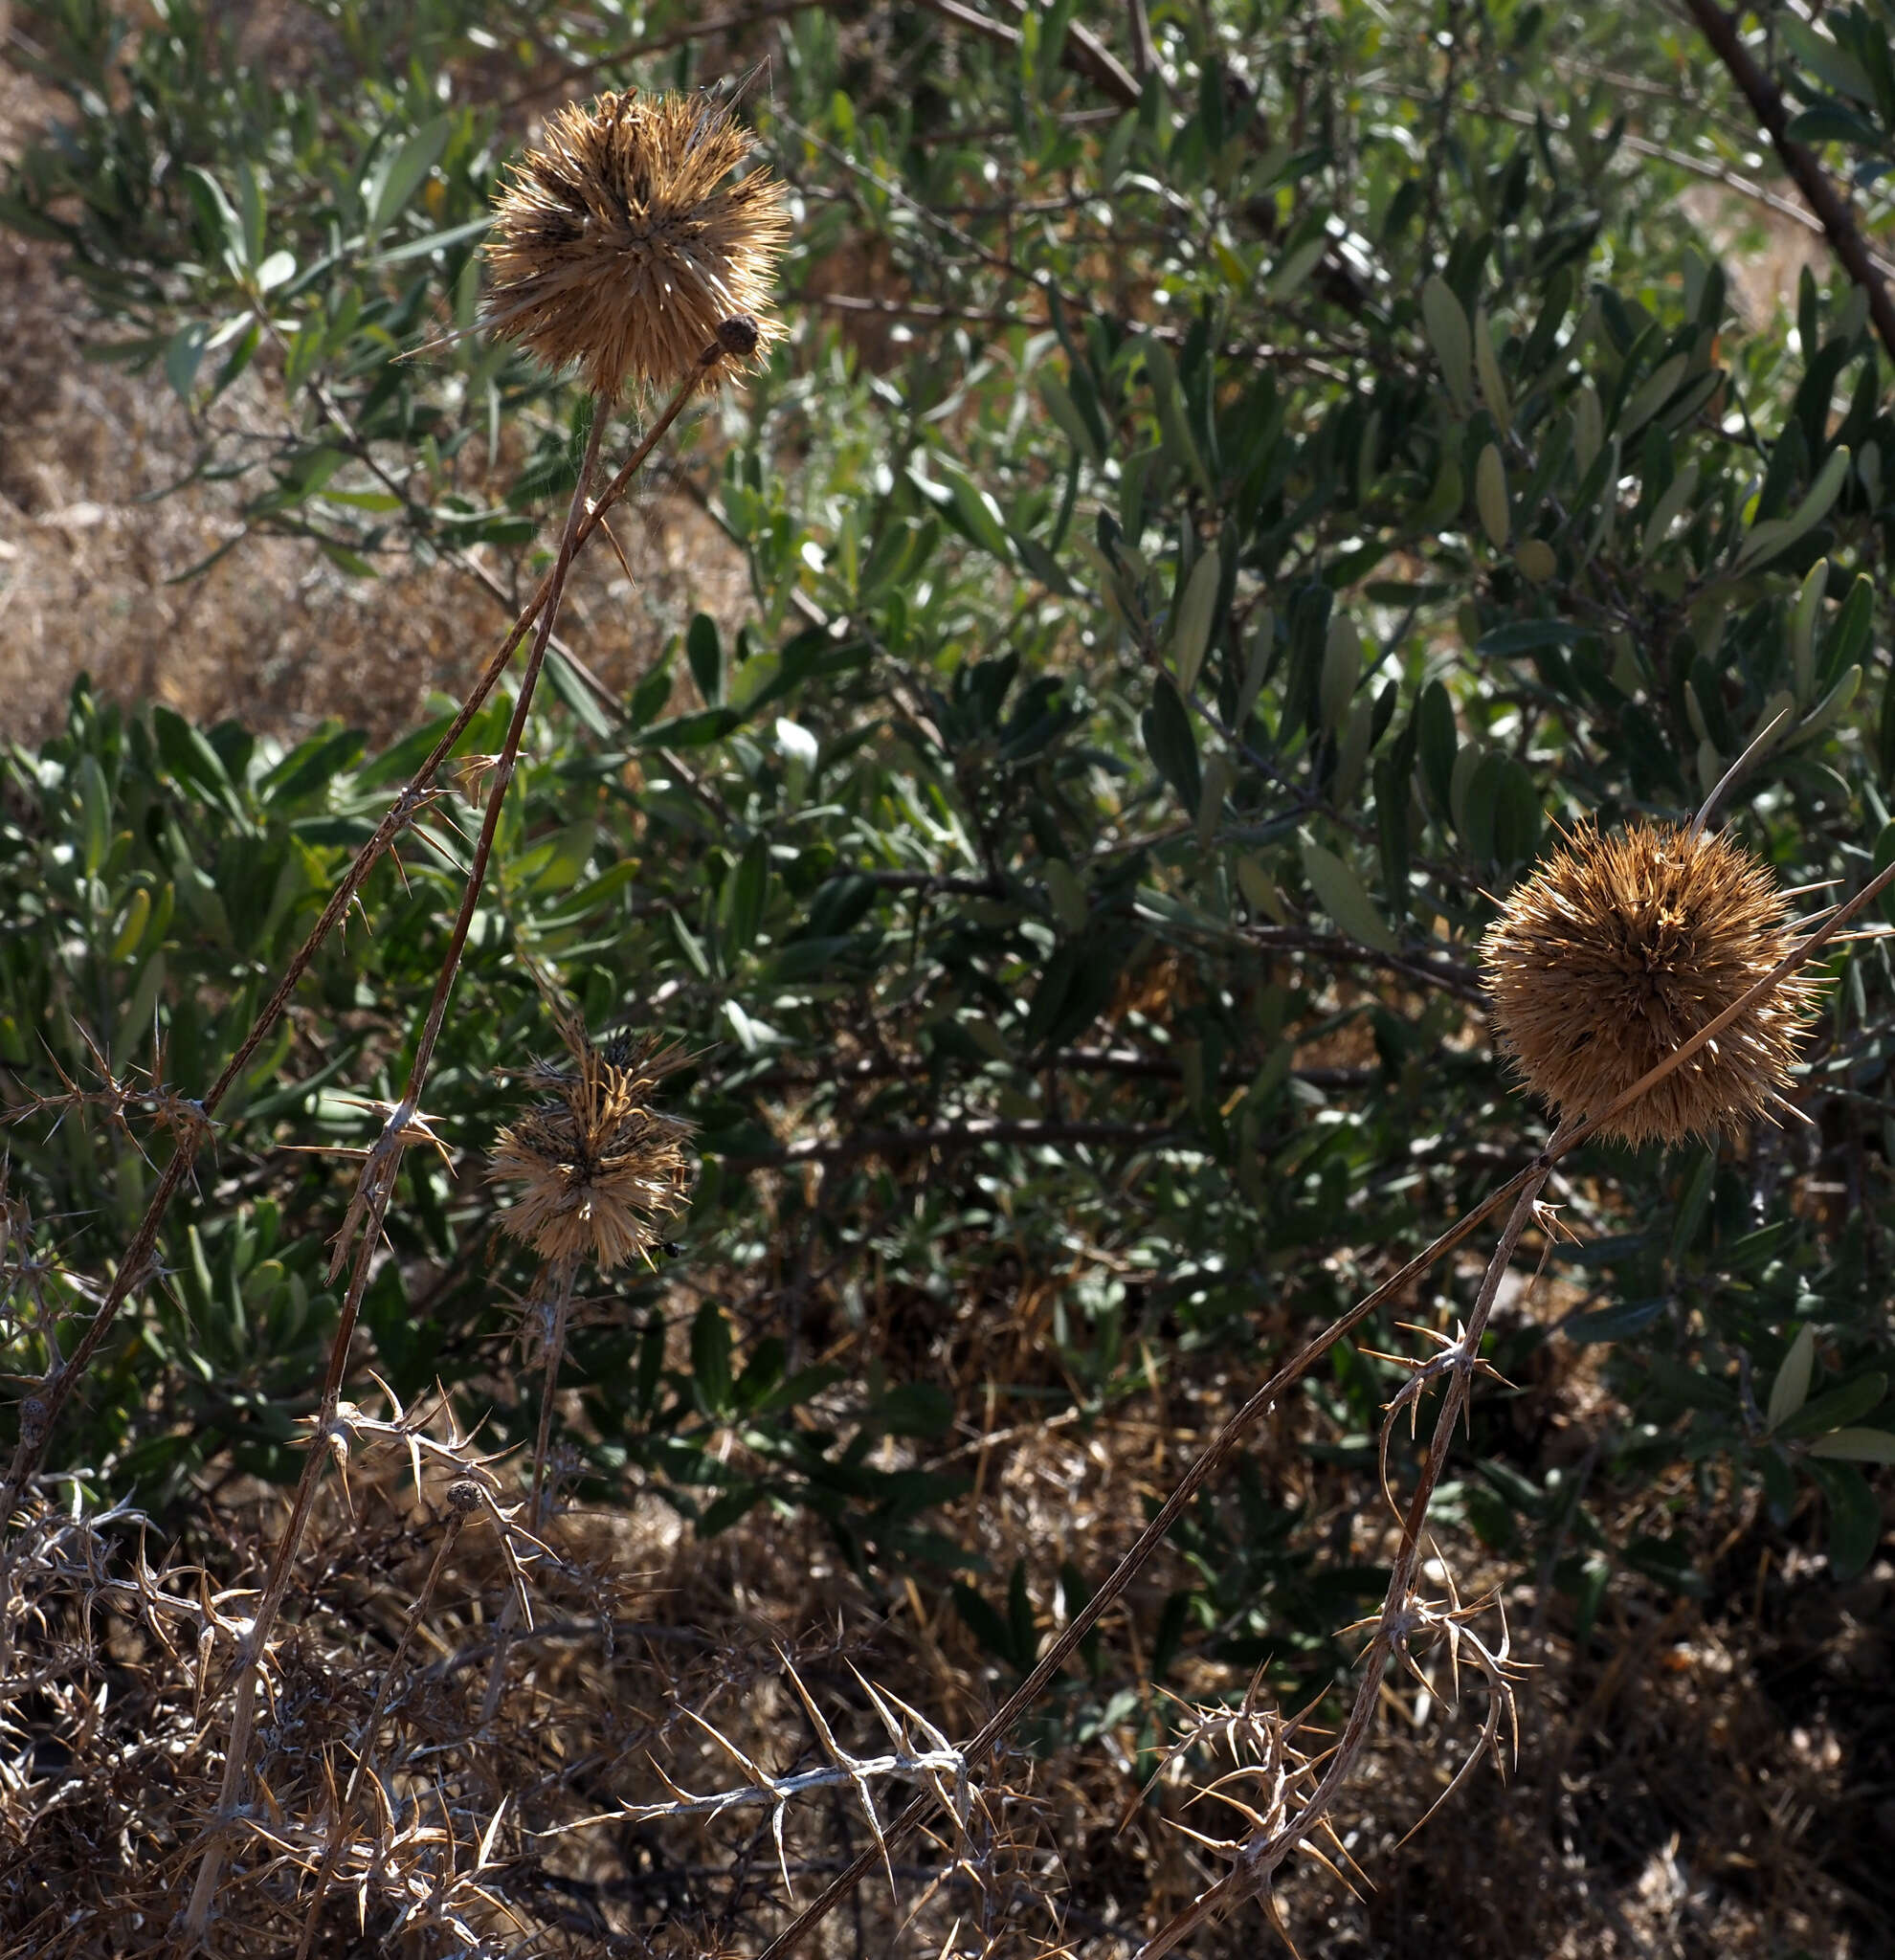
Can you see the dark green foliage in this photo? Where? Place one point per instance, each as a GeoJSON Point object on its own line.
{"type": "Point", "coordinates": [1140, 704]}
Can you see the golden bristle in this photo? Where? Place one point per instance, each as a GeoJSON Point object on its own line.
{"type": "Point", "coordinates": [1620, 948]}
{"type": "Point", "coordinates": [598, 1167]}
{"type": "Point", "coordinates": [625, 241]}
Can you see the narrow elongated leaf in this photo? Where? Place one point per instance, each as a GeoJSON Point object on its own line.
{"type": "Point", "coordinates": [1791, 1388]}
{"type": "Point", "coordinates": [398, 175]}
{"type": "Point", "coordinates": [1196, 614]}
{"type": "Point", "coordinates": [1343, 897]}
{"type": "Point", "coordinates": [1450, 336]}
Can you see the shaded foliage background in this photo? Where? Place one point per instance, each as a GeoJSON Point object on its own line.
{"type": "Point", "coordinates": [1222, 504]}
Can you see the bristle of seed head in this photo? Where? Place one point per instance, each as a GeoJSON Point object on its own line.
{"type": "Point", "coordinates": [599, 1170]}
{"type": "Point", "coordinates": [1620, 948]}
{"type": "Point", "coordinates": [627, 243]}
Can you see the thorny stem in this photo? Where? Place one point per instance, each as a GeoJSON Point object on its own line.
{"type": "Point", "coordinates": [365, 1743]}
{"type": "Point", "coordinates": [379, 1172]}
{"type": "Point", "coordinates": [328, 1436]}
{"type": "Point", "coordinates": [40, 1412]}
{"type": "Point", "coordinates": [1221, 1446]}
{"type": "Point", "coordinates": [378, 1178]}
{"type": "Point", "coordinates": [559, 1309]}
{"type": "Point", "coordinates": [1258, 1859]}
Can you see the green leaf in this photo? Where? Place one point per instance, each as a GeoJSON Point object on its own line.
{"type": "Point", "coordinates": [1825, 60]}
{"type": "Point", "coordinates": [1445, 319]}
{"type": "Point", "coordinates": [1802, 631]}
{"type": "Point", "coordinates": [703, 652]}
{"type": "Point", "coordinates": [746, 891]}
{"type": "Point", "coordinates": [1775, 535]}
{"type": "Point", "coordinates": [1490, 497]}
{"type": "Point", "coordinates": [95, 814]}
{"type": "Point", "coordinates": [1487, 366]}
{"type": "Point", "coordinates": [1341, 895]}
{"type": "Point", "coordinates": [1437, 744]}
{"type": "Point", "coordinates": [1341, 671]}
{"type": "Point", "coordinates": [183, 354]}
{"type": "Point", "coordinates": [1855, 1446]}
{"type": "Point", "coordinates": [1838, 1409]}
{"type": "Point", "coordinates": [434, 241]}
{"type": "Point", "coordinates": [1791, 1388]}
{"type": "Point", "coordinates": [1619, 1322]}
{"type": "Point", "coordinates": [977, 512]}
{"type": "Point", "coordinates": [1855, 1517]}
{"type": "Point", "coordinates": [399, 172]}
{"type": "Point", "coordinates": [710, 1359]}
{"type": "Point", "coordinates": [1065, 412]}
{"type": "Point", "coordinates": [1196, 615]}
{"type": "Point", "coordinates": [1172, 745]}
{"type": "Point", "coordinates": [219, 217]}
{"type": "Point", "coordinates": [192, 761]}
{"type": "Point", "coordinates": [1528, 636]}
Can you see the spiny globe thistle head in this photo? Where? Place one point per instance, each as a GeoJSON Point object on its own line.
{"type": "Point", "coordinates": [599, 1169]}
{"type": "Point", "coordinates": [1618, 949]}
{"type": "Point", "coordinates": [626, 241]}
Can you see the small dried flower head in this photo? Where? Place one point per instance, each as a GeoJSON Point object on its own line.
{"type": "Point", "coordinates": [1620, 948]}
{"type": "Point", "coordinates": [628, 243]}
{"type": "Point", "coordinates": [599, 1169]}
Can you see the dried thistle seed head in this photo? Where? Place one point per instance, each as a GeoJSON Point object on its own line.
{"type": "Point", "coordinates": [1620, 948]}
{"type": "Point", "coordinates": [599, 1169]}
{"type": "Point", "coordinates": [627, 243]}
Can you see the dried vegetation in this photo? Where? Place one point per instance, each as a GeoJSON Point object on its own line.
{"type": "Point", "coordinates": [425, 1715]}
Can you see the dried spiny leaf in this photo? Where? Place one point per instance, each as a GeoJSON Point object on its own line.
{"type": "Point", "coordinates": [599, 1168]}
{"type": "Point", "coordinates": [1620, 948]}
{"type": "Point", "coordinates": [627, 242]}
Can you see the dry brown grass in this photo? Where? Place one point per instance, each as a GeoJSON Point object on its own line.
{"type": "Point", "coordinates": [272, 634]}
{"type": "Point", "coordinates": [1697, 1779]}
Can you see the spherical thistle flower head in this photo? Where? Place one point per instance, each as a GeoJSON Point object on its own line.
{"type": "Point", "coordinates": [599, 1169]}
{"type": "Point", "coordinates": [1618, 949]}
{"type": "Point", "coordinates": [626, 241]}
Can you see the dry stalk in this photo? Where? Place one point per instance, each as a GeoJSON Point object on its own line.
{"type": "Point", "coordinates": [463, 1499]}
{"type": "Point", "coordinates": [1256, 1859]}
{"type": "Point", "coordinates": [558, 1311]}
{"type": "Point", "coordinates": [376, 1186]}
{"type": "Point", "coordinates": [1225, 1442]}
{"type": "Point", "coordinates": [40, 1412]}
{"type": "Point", "coordinates": [939, 1759]}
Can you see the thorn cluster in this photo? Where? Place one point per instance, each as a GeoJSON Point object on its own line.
{"type": "Point", "coordinates": [1619, 950]}
{"type": "Point", "coordinates": [598, 1167]}
{"type": "Point", "coordinates": [627, 240]}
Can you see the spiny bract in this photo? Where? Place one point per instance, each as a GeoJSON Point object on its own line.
{"type": "Point", "coordinates": [599, 1169]}
{"type": "Point", "coordinates": [626, 239]}
{"type": "Point", "coordinates": [1618, 949]}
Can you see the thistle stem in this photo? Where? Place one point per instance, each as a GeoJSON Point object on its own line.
{"type": "Point", "coordinates": [379, 1172]}
{"type": "Point", "coordinates": [40, 1412]}
{"type": "Point", "coordinates": [559, 1312]}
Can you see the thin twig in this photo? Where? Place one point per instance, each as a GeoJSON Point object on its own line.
{"type": "Point", "coordinates": [1832, 209]}
{"type": "Point", "coordinates": [40, 1412]}
{"type": "Point", "coordinates": [1228, 1438]}
{"type": "Point", "coordinates": [658, 44]}
{"type": "Point", "coordinates": [330, 1438]}
{"type": "Point", "coordinates": [950, 1136]}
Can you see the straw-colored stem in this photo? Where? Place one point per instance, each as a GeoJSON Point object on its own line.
{"type": "Point", "coordinates": [40, 1412]}
{"type": "Point", "coordinates": [1258, 1861]}
{"type": "Point", "coordinates": [559, 1311]}
{"type": "Point", "coordinates": [379, 1173]}
{"type": "Point", "coordinates": [365, 1740]}
{"type": "Point", "coordinates": [1227, 1439]}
